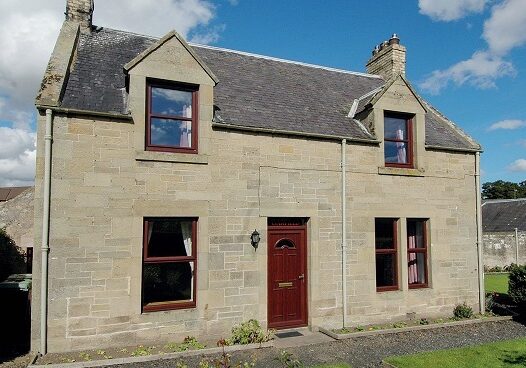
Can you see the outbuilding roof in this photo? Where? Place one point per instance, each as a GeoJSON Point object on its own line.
{"type": "Point", "coordinates": [502, 215]}
{"type": "Point", "coordinates": [254, 91]}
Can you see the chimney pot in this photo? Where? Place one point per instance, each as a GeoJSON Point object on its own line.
{"type": "Point", "coordinates": [394, 40]}
{"type": "Point", "coordinates": [388, 59]}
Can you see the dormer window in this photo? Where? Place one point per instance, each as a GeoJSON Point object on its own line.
{"type": "Point", "coordinates": [171, 124]}
{"type": "Point", "coordinates": [398, 140]}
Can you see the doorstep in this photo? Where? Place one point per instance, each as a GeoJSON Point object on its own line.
{"type": "Point", "coordinates": [340, 336]}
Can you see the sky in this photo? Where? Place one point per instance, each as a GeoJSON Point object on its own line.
{"type": "Point", "coordinates": [466, 57]}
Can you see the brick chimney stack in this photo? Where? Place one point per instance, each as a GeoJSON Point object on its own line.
{"type": "Point", "coordinates": [80, 11]}
{"type": "Point", "coordinates": [388, 59]}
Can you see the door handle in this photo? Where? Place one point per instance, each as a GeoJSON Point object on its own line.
{"type": "Point", "coordinates": [301, 277]}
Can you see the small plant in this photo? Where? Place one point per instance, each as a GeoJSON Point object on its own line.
{"type": "Point", "coordinates": [181, 364]}
{"type": "Point", "coordinates": [142, 351]}
{"type": "Point", "coordinates": [400, 325]}
{"type": "Point", "coordinates": [360, 328]}
{"type": "Point", "coordinates": [288, 360]}
{"type": "Point", "coordinates": [225, 361]}
{"type": "Point", "coordinates": [85, 356]}
{"type": "Point", "coordinates": [517, 286]}
{"type": "Point", "coordinates": [423, 321]}
{"type": "Point", "coordinates": [249, 332]}
{"type": "Point", "coordinates": [463, 311]}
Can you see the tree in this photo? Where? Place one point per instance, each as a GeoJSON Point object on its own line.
{"type": "Point", "coordinates": [501, 189]}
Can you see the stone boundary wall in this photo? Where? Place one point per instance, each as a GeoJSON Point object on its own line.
{"type": "Point", "coordinates": [500, 248]}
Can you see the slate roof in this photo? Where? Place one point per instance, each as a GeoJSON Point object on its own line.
{"type": "Point", "coordinates": [8, 193]}
{"type": "Point", "coordinates": [504, 215]}
{"type": "Point", "coordinates": [253, 91]}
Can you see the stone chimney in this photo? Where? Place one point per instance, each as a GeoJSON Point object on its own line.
{"type": "Point", "coordinates": [388, 59]}
{"type": "Point", "coordinates": [80, 11]}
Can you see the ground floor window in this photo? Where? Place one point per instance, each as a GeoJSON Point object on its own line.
{"type": "Point", "coordinates": [169, 263]}
{"type": "Point", "coordinates": [417, 252]}
{"type": "Point", "coordinates": [386, 254]}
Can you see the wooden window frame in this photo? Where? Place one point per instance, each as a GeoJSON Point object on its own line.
{"type": "Point", "coordinates": [408, 141]}
{"type": "Point", "coordinates": [194, 120]}
{"type": "Point", "coordinates": [172, 259]}
{"type": "Point", "coordinates": [393, 251]}
{"type": "Point", "coordinates": [424, 250]}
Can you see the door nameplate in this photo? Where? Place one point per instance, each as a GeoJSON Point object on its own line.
{"type": "Point", "coordinates": [285, 284]}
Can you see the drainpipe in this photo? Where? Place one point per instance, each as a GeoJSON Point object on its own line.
{"type": "Point", "coordinates": [482, 298]}
{"type": "Point", "coordinates": [45, 232]}
{"type": "Point", "coordinates": [344, 236]}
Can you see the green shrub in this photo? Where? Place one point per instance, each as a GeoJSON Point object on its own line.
{"type": "Point", "coordinates": [517, 285]}
{"type": "Point", "coordinates": [463, 311]}
{"type": "Point", "coordinates": [249, 332]}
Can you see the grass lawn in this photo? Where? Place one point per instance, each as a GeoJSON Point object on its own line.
{"type": "Point", "coordinates": [496, 282]}
{"type": "Point", "coordinates": [502, 354]}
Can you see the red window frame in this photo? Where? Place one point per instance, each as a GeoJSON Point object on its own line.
{"type": "Point", "coordinates": [408, 141]}
{"type": "Point", "coordinates": [194, 120]}
{"type": "Point", "coordinates": [393, 251]}
{"type": "Point", "coordinates": [178, 259]}
{"type": "Point", "coordinates": [424, 250]}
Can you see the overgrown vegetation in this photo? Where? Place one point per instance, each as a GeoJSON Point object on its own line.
{"type": "Point", "coordinates": [517, 286]}
{"type": "Point", "coordinates": [463, 311]}
{"type": "Point", "coordinates": [249, 332]}
{"type": "Point", "coordinates": [11, 258]}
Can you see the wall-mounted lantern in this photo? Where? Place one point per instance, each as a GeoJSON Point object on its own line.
{"type": "Point", "coordinates": [254, 239]}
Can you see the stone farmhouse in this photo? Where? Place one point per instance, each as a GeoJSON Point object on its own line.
{"type": "Point", "coordinates": [184, 188]}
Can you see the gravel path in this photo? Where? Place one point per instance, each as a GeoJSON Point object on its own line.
{"type": "Point", "coordinates": [369, 351]}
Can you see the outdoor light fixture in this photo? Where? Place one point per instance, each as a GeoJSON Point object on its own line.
{"type": "Point", "coordinates": [254, 239]}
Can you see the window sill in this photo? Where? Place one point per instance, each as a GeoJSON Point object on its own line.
{"type": "Point", "coordinates": [185, 158]}
{"type": "Point", "coordinates": [401, 171]}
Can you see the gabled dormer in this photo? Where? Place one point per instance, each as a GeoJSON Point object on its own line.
{"type": "Point", "coordinates": [170, 97]}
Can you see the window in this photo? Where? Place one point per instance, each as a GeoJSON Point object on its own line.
{"type": "Point", "coordinates": [171, 119]}
{"type": "Point", "coordinates": [398, 141]}
{"type": "Point", "coordinates": [386, 254]}
{"type": "Point", "coordinates": [169, 263]}
{"type": "Point", "coordinates": [417, 252]}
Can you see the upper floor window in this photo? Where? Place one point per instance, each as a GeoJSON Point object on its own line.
{"type": "Point", "coordinates": [171, 124]}
{"type": "Point", "coordinates": [398, 141]}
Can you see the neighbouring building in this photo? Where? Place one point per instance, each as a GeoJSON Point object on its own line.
{"type": "Point", "coordinates": [504, 231]}
{"type": "Point", "coordinates": [194, 187]}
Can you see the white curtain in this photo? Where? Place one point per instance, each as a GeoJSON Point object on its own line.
{"type": "Point", "coordinates": [186, 128]}
{"type": "Point", "coordinates": [400, 154]}
{"type": "Point", "coordinates": [413, 268]}
{"type": "Point", "coordinates": [186, 230]}
{"type": "Point", "coordinates": [150, 231]}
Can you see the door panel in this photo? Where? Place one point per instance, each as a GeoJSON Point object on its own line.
{"type": "Point", "coordinates": [287, 282]}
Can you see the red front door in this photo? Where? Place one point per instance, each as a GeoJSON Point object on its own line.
{"type": "Point", "coordinates": [287, 276]}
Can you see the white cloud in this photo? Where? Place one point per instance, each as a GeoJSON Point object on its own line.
{"type": "Point", "coordinates": [448, 10]}
{"type": "Point", "coordinates": [17, 157]}
{"type": "Point", "coordinates": [508, 125]}
{"type": "Point", "coordinates": [28, 31]}
{"type": "Point", "coordinates": [481, 71]}
{"type": "Point", "coordinates": [518, 165]}
{"type": "Point", "coordinates": [504, 30]}
{"type": "Point", "coordinates": [211, 36]}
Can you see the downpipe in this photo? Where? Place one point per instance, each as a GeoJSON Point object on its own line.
{"type": "Point", "coordinates": [48, 138]}
{"type": "Point", "coordinates": [482, 297]}
{"type": "Point", "coordinates": [344, 235]}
